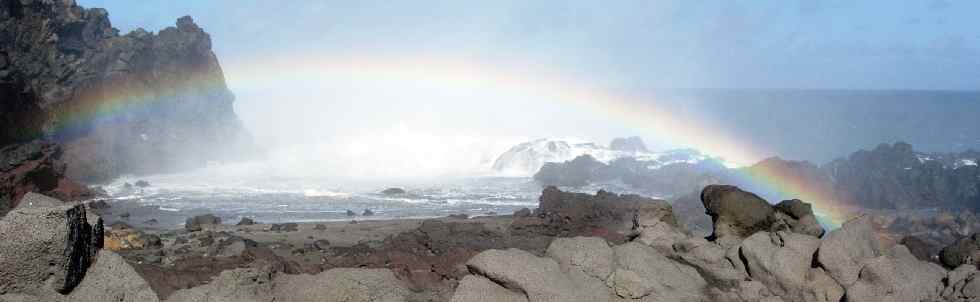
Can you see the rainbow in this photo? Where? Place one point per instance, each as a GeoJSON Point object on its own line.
{"type": "Point", "coordinates": [524, 78]}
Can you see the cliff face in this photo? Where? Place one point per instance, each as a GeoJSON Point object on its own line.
{"type": "Point", "coordinates": [134, 103]}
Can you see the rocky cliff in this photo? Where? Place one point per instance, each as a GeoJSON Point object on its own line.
{"type": "Point", "coordinates": [136, 103]}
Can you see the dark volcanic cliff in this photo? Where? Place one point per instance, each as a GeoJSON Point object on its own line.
{"type": "Point", "coordinates": [134, 103]}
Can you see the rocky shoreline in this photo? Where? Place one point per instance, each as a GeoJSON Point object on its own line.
{"type": "Point", "coordinates": [573, 247]}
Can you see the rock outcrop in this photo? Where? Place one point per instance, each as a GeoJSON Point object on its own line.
{"type": "Point", "coordinates": [608, 215]}
{"type": "Point", "coordinates": [35, 167]}
{"type": "Point", "coordinates": [738, 214]}
{"type": "Point", "coordinates": [134, 103]}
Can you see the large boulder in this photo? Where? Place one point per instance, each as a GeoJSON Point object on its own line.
{"type": "Point", "coordinates": [737, 214]}
{"type": "Point", "coordinates": [782, 260]}
{"type": "Point", "coordinates": [843, 250]}
{"type": "Point", "coordinates": [541, 279]}
{"type": "Point", "coordinates": [964, 251]}
{"type": "Point", "coordinates": [712, 261]}
{"type": "Point", "coordinates": [590, 254]}
{"type": "Point", "coordinates": [897, 276]}
{"type": "Point", "coordinates": [643, 272]}
{"type": "Point", "coordinates": [45, 247]}
{"type": "Point", "coordinates": [962, 284]}
{"type": "Point", "coordinates": [479, 289]}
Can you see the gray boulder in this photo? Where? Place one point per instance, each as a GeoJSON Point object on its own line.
{"type": "Point", "coordinates": [843, 249]}
{"type": "Point", "coordinates": [111, 279]}
{"type": "Point", "coordinates": [590, 254]}
{"type": "Point", "coordinates": [897, 276]}
{"type": "Point", "coordinates": [41, 246]}
{"type": "Point", "coordinates": [781, 261]}
{"type": "Point", "coordinates": [962, 284]}
{"type": "Point", "coordinates": [644, 272]}
{"type": "Point", "coordinates": [541, 279]}
{"type": "Point", "coordinates": [479, 289]}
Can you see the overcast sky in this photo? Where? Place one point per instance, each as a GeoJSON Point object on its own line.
{"type": "Point", "coordinates": [618, 47]}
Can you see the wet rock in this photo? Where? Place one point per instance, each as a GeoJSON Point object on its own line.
{"type": "Point", "coordinates": [246, 221]}
{"type": "Point", "coordinates": [479, 289]}
{"type": "Point", "coordinates": [284, 227]}
{"type": "Point", "coordinates": [459, 216]}
{"type": "Point", "coordinates": [47, 246]}
{"type": "Point", "coordinates": [367, 212]}
{"type": "Point", "coordinates": [196, 223]}
{"type": "Point", "coordinates": [351, 213]}
{"type": "Point", "coordinates": [320, 227]}
{"type": "Point", "coordinates": [142, 184]}
{"type": "Point", "coordinates": [964, 251]}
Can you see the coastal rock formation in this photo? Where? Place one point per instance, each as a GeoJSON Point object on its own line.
{"type": "Point", "coordinates": [35, 167]}
{"type": "Point", "coordinates": [112, 101]}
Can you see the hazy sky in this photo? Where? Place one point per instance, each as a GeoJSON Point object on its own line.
{"type": "Point", "coordinates": [422, 54]}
